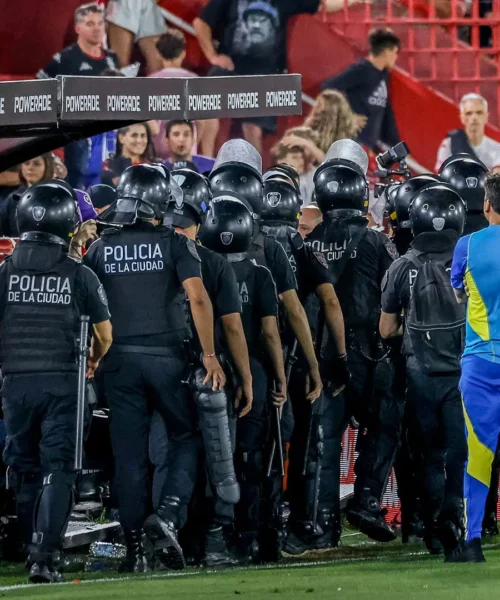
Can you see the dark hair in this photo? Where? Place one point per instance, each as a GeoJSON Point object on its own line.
{"type": "Point", "coordinates": [150, 152]}
{"type": "Point", "coordinates": [492, 191]}
{"type": "Point", "coordinates": [171, 44]}
{"type": "Point", "coordinates": [382, 39]}
{"type": "Point", "coordinates": [83, 10]}
{"type": "Point", "coordinates": [48, 159]}
{"type": "Point", "coordinates": [172, 124]}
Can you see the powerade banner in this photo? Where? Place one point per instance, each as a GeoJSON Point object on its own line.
{"type": "Point", "coordinates": [142, 98]}
{"type": "Point", "coordinates": [28, 102]}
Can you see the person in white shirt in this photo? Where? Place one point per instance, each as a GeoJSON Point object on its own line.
{"type": "Point", "coordinates": [471, 139]}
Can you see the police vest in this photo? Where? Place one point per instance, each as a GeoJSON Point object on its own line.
{"type": "Point", "coordinates": [144, 293]}
{"type": "Point", "coordinates": [40, 322]}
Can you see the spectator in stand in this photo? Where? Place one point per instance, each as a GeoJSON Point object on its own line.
{"type": "Point", "coordinates": [366, 86]}
{"type": "Point", "coordinates": [86, 57]}
{"type": "Point", "coordinates": [172, 49]}
{"type": "Point", "coordinates": [139, 21]}
{"type": "Point", "coordinates": [180, 139]}
{"type": "Point", "coordinates": [299, 148]}
{"type": "Point", "coordinates": [332, 119]}
{"type": "Point", "coordinates": [134, 146]}
{"type": "Point", "coordinates": [31, 171]}
{"type": "Point", "coordinates": [252, 35]}
{"type": "Point", "coordinates": [471, 139]}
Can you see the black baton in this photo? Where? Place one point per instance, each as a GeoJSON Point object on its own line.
{"type": "Point", "coordinates": [83, 351]}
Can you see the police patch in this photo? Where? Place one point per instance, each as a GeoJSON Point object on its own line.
{"type": "Point", "coordinates": [471, 182]}
{"type": "Point", "coordinates": [38, 213]}
{"type": "Point", "coordinates": [333, 186]}
{"type": "Point", "coordinates": [102, 295]}
{"type": "Point", "coordinates": [273, 199]}
{"type": "Point", "coordinates": [192, 250]}
{"type": "Point", "coordinates": [391, 250]}
{"type": "Point", "coordinates": [321, 259]}
{"type": "Point", "coordinates": [226, 237]}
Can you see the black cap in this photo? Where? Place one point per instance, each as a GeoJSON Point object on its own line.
{"type": "Point", "coordinates": [102, 195]}
{"type": "Point", "coordinates": [437, 207]}
{"type": "Point", "coordinates": [50, 209]}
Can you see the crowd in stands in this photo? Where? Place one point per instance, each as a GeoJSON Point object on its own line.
{"type": "Point", "coordinates": [354, 103]}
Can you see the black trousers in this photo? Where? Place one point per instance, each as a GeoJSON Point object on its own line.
{"type": "Point", "coordinates": [372, 398]}
{"type": "Point", "coordinates": [329, 413]}
{"type": "Point", "coordinates": [40, 420]}
{"type": "Point", "coordinates": [136, 384]}
{"type": "Point", "coordinates": [435, 410]}
{"type": "Point", "coordinates": [251, 437]}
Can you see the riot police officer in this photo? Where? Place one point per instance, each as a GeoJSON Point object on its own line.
{"type": "Point", "coordinates": [357, 259]}
{"type": "Point", "coordinates": [419, 284]}
{"type": "Point", "coordinates": [43, 292]}
{"type": "Point", "coordinates": [238, 169]}
{"type": "Point", "coordinates": [399, 197]}
{"type": "Point", "coordinates": [229, 229]}
{"type": "Point", "coordinates": [280, 214]}
{"type": "Point", "coordinates": [467, 175]}
{"type": "Point", "coordinates": [145, 269]}
{"type": "Point", "coordinates": [186, 214]}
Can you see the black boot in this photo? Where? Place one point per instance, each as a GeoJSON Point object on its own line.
{"type": "Point", "coordinates": [451, 527]}
{"type": "Point", "coordinates": [246, 547]}
{"type": "Point", "coordinates": [45, 566]}
{"type": "Point", "coordinates": [162, 533]}
{"type": "Point", "coordinates": [273, 534]}
{"type": "Point", "coordinates": [303, 537]}
{"type": "Point", "coordinates": [136, 561]}
{"type": "Point", "coordinates": [467, 552]}
{"type": "Point", "coordinates": [216, 551]}
{"type": "Point", "coordinates": [369, 518]}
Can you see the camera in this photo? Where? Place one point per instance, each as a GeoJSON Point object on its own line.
{"type": "Point", "coordinates": [394, 155]}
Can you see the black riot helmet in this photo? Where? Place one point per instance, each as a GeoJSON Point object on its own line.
{"type": "Point", "coordinates": [340, 185]}
{"type": "Point", "coordinates": [102, 195]}
{"type": "Point", "coordinates": [238, 169]}
{"type": "Point", "coordinates": [285, 171]}
{"type": "Point", "coordinates": [281, 203]}
{"type": "Point", "coordinates": [405, 194]}
{"type": "Point", "coordinates": [467, 175]}
{"type": "Point", "coordinates": [229, 226]}
{"type": "Point", "coordinates": [390, 204]}
{"type": "Point", "coordinates": [49, 211]}
{"type": "Point", "coordinates": [437, 207]}
{"type": "Point", "coordinates": [143, 192]}
{"type": "Point", "coordinates": [189, 206]}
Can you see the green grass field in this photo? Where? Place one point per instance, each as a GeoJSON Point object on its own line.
{"type": "Point", "coordinates": [357, 570]}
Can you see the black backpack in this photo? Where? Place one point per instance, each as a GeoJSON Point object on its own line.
{"type": "Point", "coordinates": [435, 321]}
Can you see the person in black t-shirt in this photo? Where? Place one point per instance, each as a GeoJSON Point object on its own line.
{"type": "Point", "coordinates": [252, 35]}
{"type": "Point", "coordinates": [366, 85]}
{"type": "Point", "coordinates": [86, 57]}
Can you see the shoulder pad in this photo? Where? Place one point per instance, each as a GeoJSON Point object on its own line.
{"type": "Point", "coordinates": [110, 231]}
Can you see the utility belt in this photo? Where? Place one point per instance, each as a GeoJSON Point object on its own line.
{"type": "Point", "coordinates": [160, 351]}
